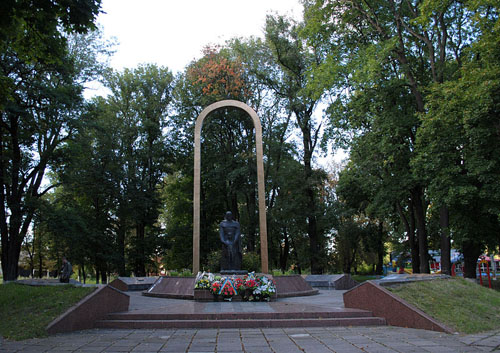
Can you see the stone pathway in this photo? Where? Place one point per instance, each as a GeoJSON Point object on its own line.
{"type": "Point", "coordinates": [314, 340]}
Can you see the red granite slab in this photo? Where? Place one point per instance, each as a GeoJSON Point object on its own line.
{"type": "Point", "coordinates": [293, 286]}
{"type": "Point", "coordinates": [257, 323]}
{"type": "Point", "coordinates": [370, 296]}
{"type": "Point", "coordinates": [93, 307]}
{"type": "Point", "coordinates": [172, 287]}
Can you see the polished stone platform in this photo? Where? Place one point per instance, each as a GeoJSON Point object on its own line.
{"type": "Point", "coordinates": [172, 287]}
{"type": "Point", "coordinates": [133, 283]}
{"type": "Point", "coordinates": [326, 309]}
{"type": "Point", "coordinates": [331, 282]}
{"type": "Point", "coordinates": [183, 287]}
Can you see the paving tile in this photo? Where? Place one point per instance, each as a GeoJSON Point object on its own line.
{"type": "Point", "coordinates": [173, 349]}
{"type": "Point", "coordinates": [148, 347]}
{"type": "Point", "coordinates": [91, 350]}
{"type": "Point", "coordinates": [118, 349]}
{"type": "Point", "coordinates": [230, 349]}
{"type": "Point", "coordinates": [258, 350]}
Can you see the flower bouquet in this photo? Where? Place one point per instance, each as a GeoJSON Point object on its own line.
{"type": "Point", "coordinates": [215, 288]}
{"type": "Point", "coordinates": [239, 285]}
{"type": "Point", "coordinates": [203, 280]}
{"type": "Point", "coordinates": [250, 283]}
{"type": "Point", "coordinates": [265, 290]}
{"type": "Point", "coordinates": [227, 289]}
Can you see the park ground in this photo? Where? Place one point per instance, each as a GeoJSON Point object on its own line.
{"type": "Point", "coordinates": [476, 320]}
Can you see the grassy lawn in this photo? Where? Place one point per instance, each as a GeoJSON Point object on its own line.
{"type": "Point", "coordinates": [459, 304]}
{"type": "Point", "coordinates": [27, 310]}
{"type": "Point", "coordinates": [362, 278]}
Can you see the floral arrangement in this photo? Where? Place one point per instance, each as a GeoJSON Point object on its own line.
{"type": "Point", "coordinates": [228, 290]}
{"type": "Point", "coordinates": [215, 287]}
{"type": "Point", "coordinates": [251, 287]}
{"type": "Point", "coordinates": [239, 285]}
{"type": "Point", "coordinates": [266, 289]}
{"type": "Point", "coordinates": [203, 280]}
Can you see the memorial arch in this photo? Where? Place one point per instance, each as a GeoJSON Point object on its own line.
{"type": "Point", "coordinates": [260, 180]}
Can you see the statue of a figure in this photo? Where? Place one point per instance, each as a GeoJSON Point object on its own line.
{"type": "Point", "coordinates": [230, 236]}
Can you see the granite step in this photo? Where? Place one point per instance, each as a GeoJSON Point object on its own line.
{"type": "Point", "coordinates": [345, 313]}
{"type": "Point", "coordinates": [240, 323]}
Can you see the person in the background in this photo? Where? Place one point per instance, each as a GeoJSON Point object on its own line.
{"type": "Point", "coordinates": [66, 271]}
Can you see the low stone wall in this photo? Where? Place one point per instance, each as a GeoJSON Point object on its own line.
{"type": "Point", "coordinates": [293, 286]}
{"type": "Point", "coordinates": [172, 287]}
{"type": "Point", "coordinates": [126, 284]}
{"type": "Point", "coordinates": [331, 282]}
{"type": "Point", "coordinates": [87, 311]}
{"type": "Point", "coordinates": [396, 311]}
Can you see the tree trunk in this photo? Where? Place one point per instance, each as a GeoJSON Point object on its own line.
{"type": "Point", "coordinates": [83, 273]}
{"type": "Point", "coordinates": [40, 266]}
{"type": "Point", "coordinates": [10, 269]}
{"type": "Point", "coordinates": [314, 245]}
{"type": "Point", "coordinates": [140, 268]}
{"type": "Point", "coordinates": [349, 261]}
{"type": "Point", "coordinates": [444, 222]}
{"type": "Point", "coordinates": [97, 275]}
{"type": "Point", "coordinates": [421, 230]}
{"type": "Point", "coordinates": [40, 257]}
{"type": "Point", "coordinates": [312, 231]}
{"type": "Point", "coordinates": [471, 253]}
{"type": "Point", "coordinates": [296, 254]}
{"type": "Point", "coordinates": [284, 250]}
{"type": "Point", "coordinates": [104, 277]}
{"type": "Point", "coordinates": [120, 239]}
{"type": "Point", "coordinates": [410, 230]}
{"type": "Point", "coordinates": [380, 250]}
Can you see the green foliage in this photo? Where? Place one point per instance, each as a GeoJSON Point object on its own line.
{"type": "Point", "coordinates": [213, 261]}
{"type": "Point", "coordinates": [40, 106]}
{"type": "Point", "coordinates": [383, 62]}
{"type": "Point", "coordinates": [251, 262]}
{"type": "Point", "coordinates": [186, 273]}
{"type": "Point", "coordinates": [295, 59]}
{"type": "Point", "coordinates": [414, 97]}
{"type": "Point", "coordinates": [31, 309]}
{"type": "Point", "coordinates": [458, 153]}
{"type": "Point", "coordinates": [458, 303]}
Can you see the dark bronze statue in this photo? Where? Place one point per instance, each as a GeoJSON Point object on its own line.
{"type": "Point", "coordinates": [230, 236]}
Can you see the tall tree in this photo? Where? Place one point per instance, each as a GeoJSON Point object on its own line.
{"type": "Point", "coordinates": [373, 46]}
{"type": "Point", "coordinates": [296, 59]}
{"type": "Point", "coordinates": [140, 101]}
{"type": "Point", "coordinates": [39, 101]}
{"type": "Point", "coordinates": [458, 143]}
{"type": "Point", "coordinates": [81, 214]}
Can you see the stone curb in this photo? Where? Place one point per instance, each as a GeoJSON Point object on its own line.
{"type": "Point", "coordinates": [371, 296]}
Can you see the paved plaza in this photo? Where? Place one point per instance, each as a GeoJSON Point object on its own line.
{"type": "Point", "coordinates": [314, 340]}
{"type": "Point", "coordinates": [278, 340]}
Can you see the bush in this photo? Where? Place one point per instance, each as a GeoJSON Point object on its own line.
{"type": "Point", "coordinates": [186, 273]}
{"type": "Point", "coordinates": [251, 262]}
{"type": "Point", "coordinates": [213, 261]}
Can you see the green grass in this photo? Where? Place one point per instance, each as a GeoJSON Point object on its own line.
{"type": "Point", "coordinates": [27, 310]}
{"type": "Point", "coordinates": [362, 278]}
{"type": "Point", "coordinates": [458, 303]}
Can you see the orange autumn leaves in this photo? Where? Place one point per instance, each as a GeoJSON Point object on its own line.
{"type": "Point", "coordinates": [218, 76]}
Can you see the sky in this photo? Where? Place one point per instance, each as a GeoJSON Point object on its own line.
{"type": "Point", "coordinates": [172, 33]}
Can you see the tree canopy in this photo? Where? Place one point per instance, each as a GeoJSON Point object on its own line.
{"type": "Point", "coordinates": [410, 89]}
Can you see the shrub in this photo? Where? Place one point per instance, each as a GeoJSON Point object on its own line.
{"type": "Point", "coordinates": [213, 261]}
{"type": "Point", "coordinates": [251, 262]}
